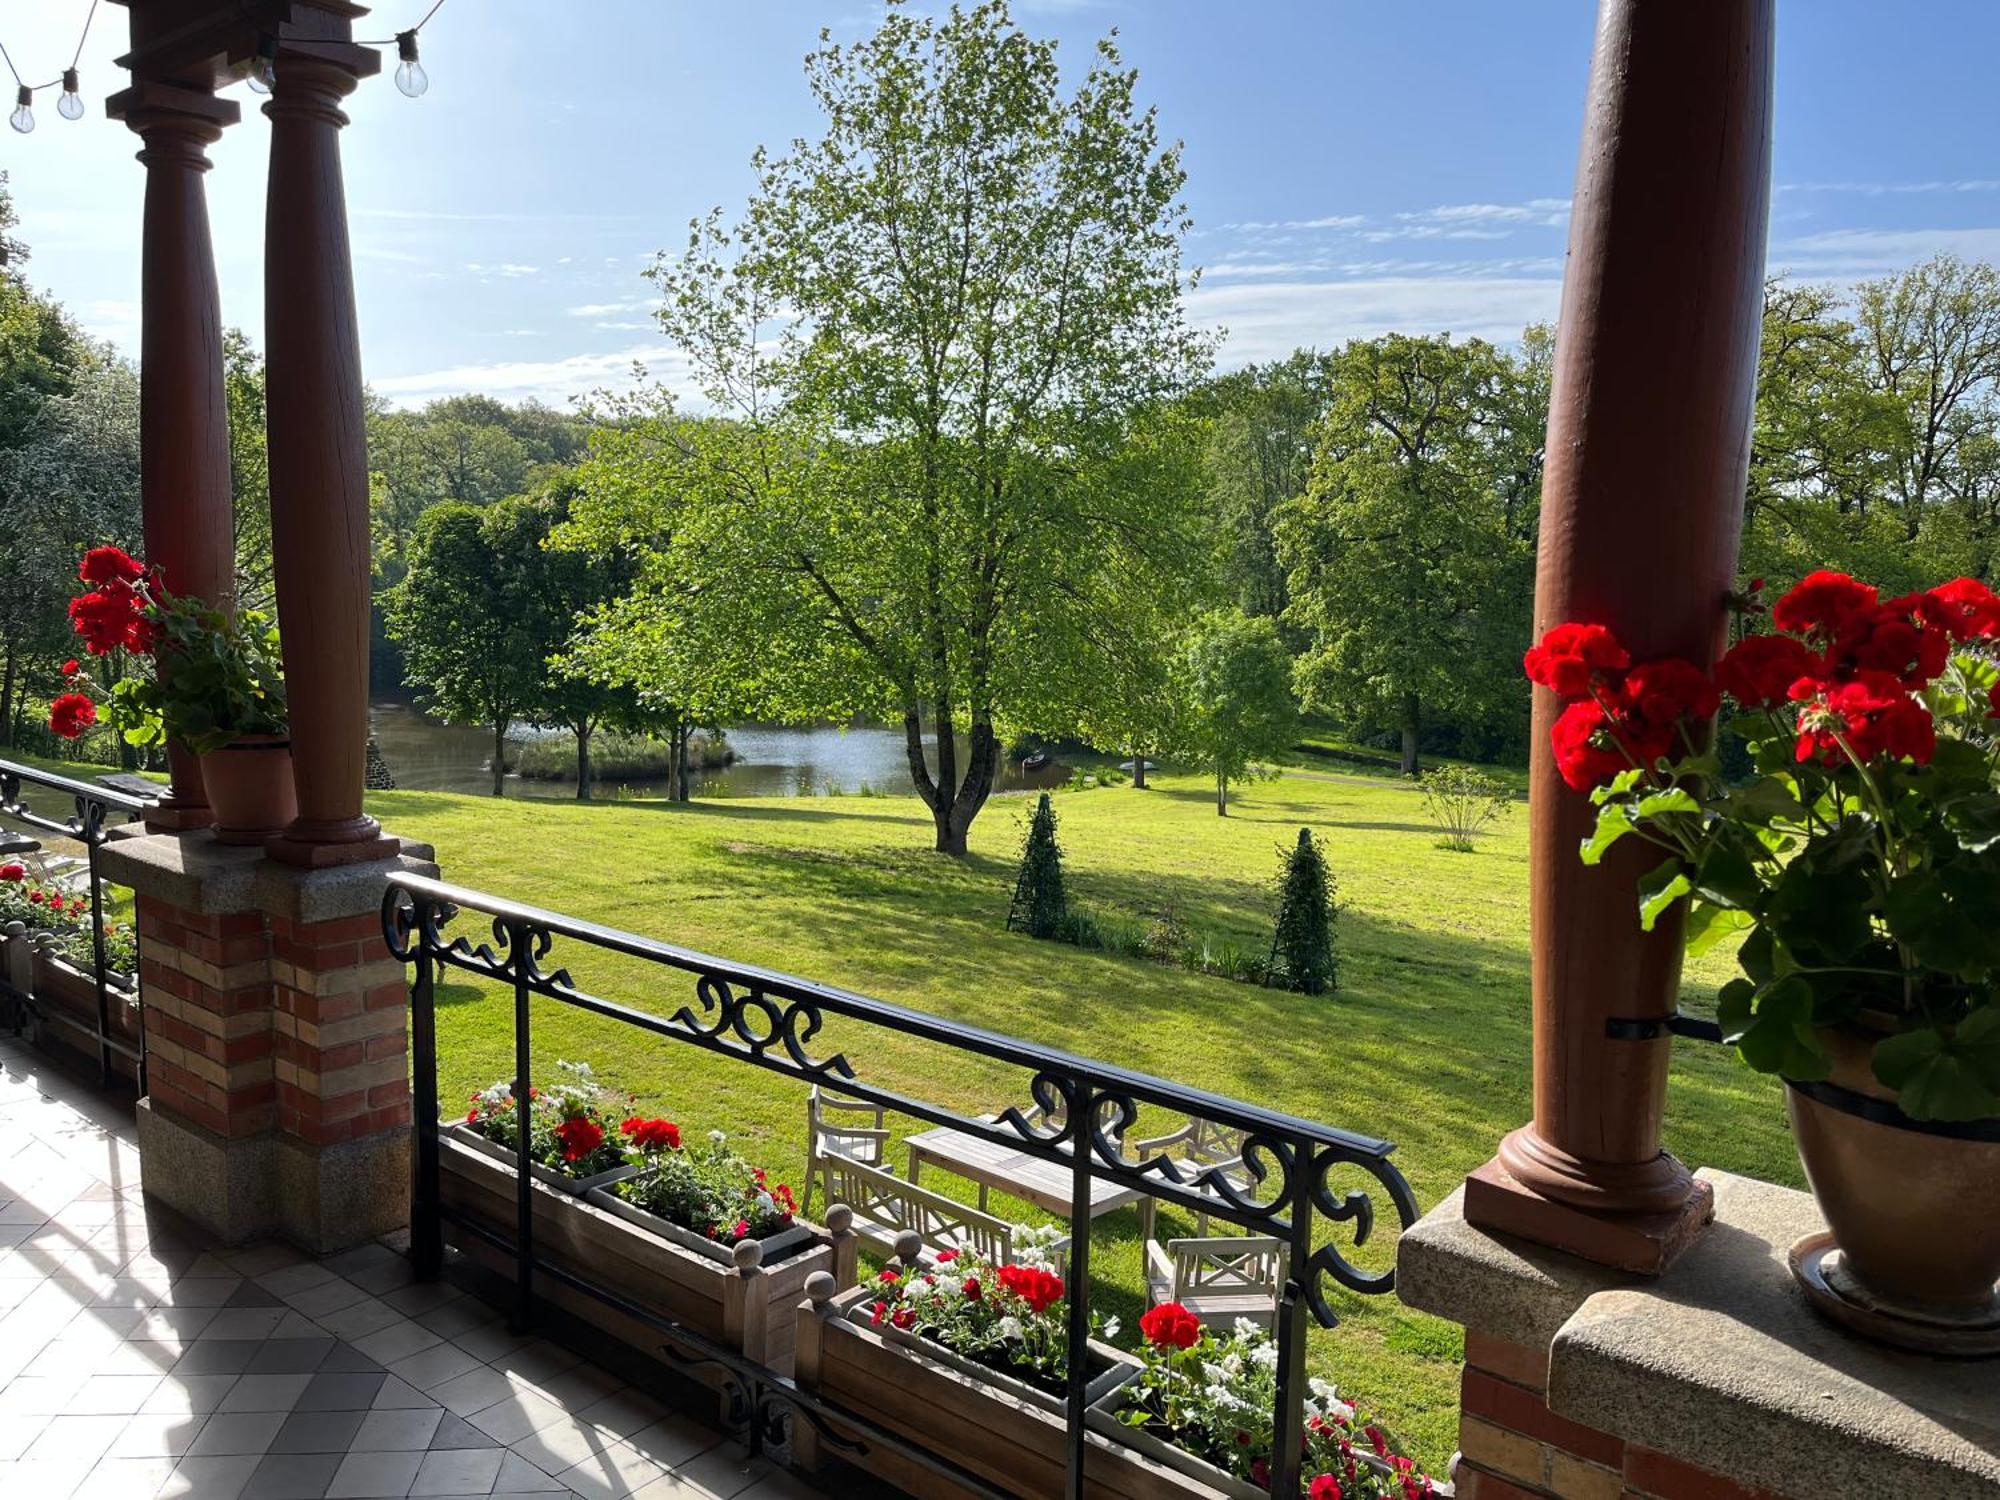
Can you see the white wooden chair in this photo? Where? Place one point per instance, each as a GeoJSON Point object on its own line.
{"type": "Point", "coordinates": [841, 1127]}
{"type": "Point", "coordinates": [886, 1207]}
{"type": "Point", "coordinates": [1218, 1279]}
{"type": "Point", "coordinates": [1196, 1147]}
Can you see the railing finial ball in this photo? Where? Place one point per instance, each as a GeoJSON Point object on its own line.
{"type": "Point", "coordinates": [909, 1247]}
{"type": "Point", "coordinates": [822, 1288]}
{"type": "Point", "coordinates": [840, 1219]}
{"type": "Point", "coordinates": [748, 1255]}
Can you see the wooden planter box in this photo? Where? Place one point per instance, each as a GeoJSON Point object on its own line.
{"type": "Point", "coordinates": [744, 1304]}
{"type": "Point", "coordinates": [1011, 1436]}
{"type": "Point", "coordinates": [465, 1135]}
{"type": "Point", "coordinates": [62, 988]}
{"type": "Point", "coordinates": [775, 1245]}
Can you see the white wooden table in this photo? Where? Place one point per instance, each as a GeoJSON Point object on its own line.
{"type": "Point", "coordinates": [991, 1164]}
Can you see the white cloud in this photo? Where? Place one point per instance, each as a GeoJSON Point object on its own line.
{"type": "Point", "coordinates": [606, 309]}
{"type": "Point", "coordinates": [1879, 189]}
{"type": "Point", "coordinates": [631, 323]}
{"type": "Point", "coordinates": [1837, 253]}
{"type": "Point", "coordinates": [1268, 321]}
{"type": "Point", "coordinates": [553, 380]}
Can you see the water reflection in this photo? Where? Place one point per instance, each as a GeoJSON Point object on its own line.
{"type": "Point", "coordinates": [425, 755]}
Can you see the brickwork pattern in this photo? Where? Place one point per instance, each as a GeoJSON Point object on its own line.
{"type": "Point", "coordinates": [255, 1022]}
{"type": "Point", "coordinates": [1512, 1447]}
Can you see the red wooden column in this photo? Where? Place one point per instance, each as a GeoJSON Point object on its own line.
{"type": "Point", "coordinates": [184, 482]}
{"type": "Point", "coordinates": [318, 454]}
{"type": "Point", "coordinates": [1648, 449]}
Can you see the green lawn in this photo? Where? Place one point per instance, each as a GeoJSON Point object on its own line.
{"type": "Point", "coordinates": [1425, 1043]}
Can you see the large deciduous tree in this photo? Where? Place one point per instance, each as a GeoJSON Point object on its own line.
{"type": "Point", "coordinates": [930, 335]}
{"type": "Point", "coordinates": [1410, 556]}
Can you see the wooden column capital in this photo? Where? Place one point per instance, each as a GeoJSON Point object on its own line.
{"type": "Point", "coordinates": [1648, 450]}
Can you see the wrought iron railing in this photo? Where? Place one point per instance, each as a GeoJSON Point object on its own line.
{"type": "Point", "coordinates": [1296, 1171]}
{"type": "Point", "coordinates": [85, 815]}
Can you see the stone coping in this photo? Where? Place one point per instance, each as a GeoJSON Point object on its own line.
{"type": "Point", "coordinates": [1720, 1362]}
{"type": "Point", "coordinates": [195, 873]}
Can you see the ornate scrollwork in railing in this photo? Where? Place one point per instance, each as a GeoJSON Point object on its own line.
{"type": "Point", "coordinates": [1276, 1180]}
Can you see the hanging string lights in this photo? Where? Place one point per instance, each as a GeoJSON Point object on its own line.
{"type": "Point", "coordinates": [70, 105]}
{"type": "Point", "coordinates": [262, 75]}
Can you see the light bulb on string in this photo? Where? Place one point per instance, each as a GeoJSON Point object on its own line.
{"type": "Point", "coordinates": [263, 76]}
{"type": "Point", "coordinates": [70, 106]}
{"type": "Point", "coordinates": [23, 118]}
{"type": "Point", "coordinates": [410, 75]}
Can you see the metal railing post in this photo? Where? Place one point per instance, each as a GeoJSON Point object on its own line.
{"type": "Point", "coordinates": [426, 1220]}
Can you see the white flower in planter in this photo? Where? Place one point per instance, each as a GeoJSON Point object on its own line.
{"type": "Point", "coordinates": [1008, 1328]}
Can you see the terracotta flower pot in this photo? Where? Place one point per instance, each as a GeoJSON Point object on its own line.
{"type": "Point", "coordinates": [1912, 1206]}
{"type": "Point", "coordinates": [249, 784]}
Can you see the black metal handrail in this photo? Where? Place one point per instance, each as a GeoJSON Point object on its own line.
{"type": "Point", "coordinates": [770, 1019]}
{"type": "Point", "coordinates": [89, 824]}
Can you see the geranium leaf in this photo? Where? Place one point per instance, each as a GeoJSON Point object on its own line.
{"type": "Point", "coordinates": [1708, 924]}
{"type": "Point", "coordinates": [1659, 888]}
{"type": "Point", "coordinates": [1614, 821]}
{"type": "Point", "coordinates": [1673, 800]}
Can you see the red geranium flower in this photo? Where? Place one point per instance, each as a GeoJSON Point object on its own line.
{"type": "Point", "coordinates": [1568, 656]}
{"type": "Point", "coordinates": [1324, 1487]}
{"type": "Point", "coordinates": [12, 871]}
{"type": "Point", "coordinates": [1666, 691]}
{"type": "Point", "coordinates": [1587, 744]}
{"type": "Point", "coordinates": [579, 1137]}
{"type": "Point", "coordinates": [1759, 670]}
{"type": "Point", "coordinates": [1891, 638]}
{"type": "Point", "coordinates": [1967, 608]}
{"type": "Point", "coordinates": [1171, 1326]}
{"type": "Point", "coordinates": [71, 714]}
{"type": "Point", "coordinates": [653, 1135]}
{"type": "Point", "coordinates": [971, 1288]}
{"type": "Point", "coordinates": [71, 667]}
{"type": "Point", "coordinates": [1874, 713]}
{"type": "Point", "coordinates": [102, 565]}
{"type": "Point", "coordinates": [111, 618]}
{"type": "Point", "coordinates": [1821, 602]}
{"type": "Point", "coordinates": [1040, 1289]}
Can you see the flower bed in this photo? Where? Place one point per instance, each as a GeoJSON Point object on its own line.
{"type": "Point", "coordinates": [736, 1289]}
{"type": "Point", "coordinates": [1202, 1403]}
{"type": "Point", "coordinates": [573, 1131]}
{"type": "Point", "coordinates": [707, 1199]}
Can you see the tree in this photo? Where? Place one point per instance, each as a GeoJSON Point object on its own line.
{"type": "Point", "coordinates": [1259, 456]}
{"type": "Point", "coordinates": [981, 283]}
{"type": "Point", "coordinates": [1302, 952]}
{"type": "Point", "coordinates": [476, 653]}
{"type": "Point", "coordinates": [1040, 906]}
{"type": "Point", "coordinates": [1235, 680]}
{"type": "Point", "coordinates": [1410, 557]}
{"type": "Point", "coordinates": [249, 469]}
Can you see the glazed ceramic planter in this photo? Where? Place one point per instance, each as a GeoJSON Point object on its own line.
{"type": "Point", "coordinates": [1011, 1435]}
{"type": "Point", "coordinates": [1912, 1206]}
{"type": "Point", "coordinates": [249, 786]}
{"type": "Point", "coordinates": [741, 1302]}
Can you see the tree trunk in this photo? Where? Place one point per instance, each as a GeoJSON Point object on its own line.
{"type": "Point", "coordinates": [499, 753]}
{"type": "Point", "coordinates": [1221, 795]}
{"type": "Point", "coordinates": [1412, 722]}
{"type": "Point", "coordinates": [583, 733]}
{"type": "Point", "coordinates": [7, 697]}
{"type": "Point", "coordinates": [682, 791]}
{"type": "Point", "coordinates": [1139, 770]}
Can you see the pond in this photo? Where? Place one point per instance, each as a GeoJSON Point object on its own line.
{"type": "Point", "coordinates": [771, 761]}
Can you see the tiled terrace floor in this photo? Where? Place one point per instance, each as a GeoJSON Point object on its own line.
{"type": "Point", "coordinates": [134, 1364]}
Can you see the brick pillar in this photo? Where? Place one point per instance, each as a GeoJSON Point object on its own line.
{"type": "Point", "coordinates": [1512, 1447]}
{"type": "Point", "coordinates": [278, 1073]}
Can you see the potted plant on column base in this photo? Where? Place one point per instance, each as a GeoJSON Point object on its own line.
{"type": "Point", "coordinates": [217, 688]}
{"type": "Point", "coordinates": [1860, 865]}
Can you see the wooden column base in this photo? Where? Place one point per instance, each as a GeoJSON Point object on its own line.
{"type": "Point", "coordinates": [1646, 1243]}
{"type": "Point", "coordinates": [310, 845]}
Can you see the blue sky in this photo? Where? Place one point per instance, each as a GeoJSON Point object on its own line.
{"type": "Point", "coordinates": [1353, 165]}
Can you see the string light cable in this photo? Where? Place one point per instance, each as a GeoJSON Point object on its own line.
{"type": "Point", "coordinates": [70, 105]}
{"type": "Point", "coordinates": [411, 78]}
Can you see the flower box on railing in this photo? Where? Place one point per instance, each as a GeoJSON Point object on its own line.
{"type": "Point", "coordinates": [62, 989]}
{"type": "Point", "coordinates": [465, 1135]}
{"type": "Point", "coordinates": [773, 1246]}
{"type": "Point", "coordinates": [743, 1301]}
{"type": "Point", "coordinates": [1010, 1434]}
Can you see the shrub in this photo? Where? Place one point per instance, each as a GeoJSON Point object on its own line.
{"type": "Point", "coordinates": [1302, 956]}
{"type": "Point", "coordinates": [1040, 905]}
{"type": "Point", "coordinates": [1462, 802]}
